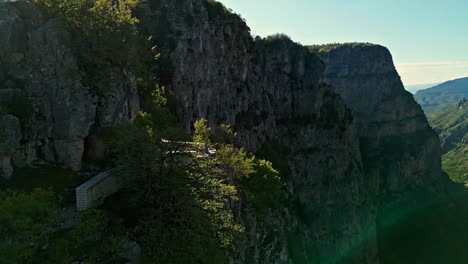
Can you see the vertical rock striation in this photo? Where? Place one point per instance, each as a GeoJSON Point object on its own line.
{"type": "Point", "coordinates": [401, 151]}
{"type": "Point", "coordinates": [271, 90]}
{"type": "Point", "coordinates": [40, 83]}
{"type": "Point", "coordinates": [351, 137]}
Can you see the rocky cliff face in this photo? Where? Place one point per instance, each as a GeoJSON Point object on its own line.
{"type": "Point", "coordinates": [40, 84]}
{"type": "Point", "coordinates": [400, 149]}
{"type": "Point", "coordinates": [342, 171]}
{"type": "Point", "coordinates": [349, 133]}
{"type": "Point", "coordinates": [271, 90]}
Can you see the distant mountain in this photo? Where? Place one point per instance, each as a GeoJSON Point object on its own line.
{"type": "Point", "coordinates": [452, 127]}
{"type": "Point", "coordinates": [442, 96]}
{"type": "Point", "coordinates": [414, 88]}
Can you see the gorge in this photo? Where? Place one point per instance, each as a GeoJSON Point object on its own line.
{"type": "Point", "coordinates": [358, 148]}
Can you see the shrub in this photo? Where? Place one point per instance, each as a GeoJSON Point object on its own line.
{"type": "Point", "coordinates": [104, 35]}
{"type": "Point", "coordinates": [264, 188]}
{"type": "Point", "coordinates": [23, 220]}
{"type": "Point", "coordinates": [202, 132]}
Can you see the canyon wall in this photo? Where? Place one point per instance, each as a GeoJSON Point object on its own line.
{"type": "Point", "coordinates": [352, 138]}
{"type": "Point", "coordinates": [40, 85]}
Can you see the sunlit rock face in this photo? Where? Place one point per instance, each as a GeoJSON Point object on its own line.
{"type": "Point", "coordinates": [40, 83]}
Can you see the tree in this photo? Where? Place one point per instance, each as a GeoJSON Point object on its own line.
{"type": "Point", "coordinates": [236, 163]}
{"type": "Point", "coordinates": [225, 135]}
{"type": "Point", "coordinates": [105, 36]}
{"type": "Point", "coordinates": [202, 132]}
{"type": "Point", "coordinates": [264, 188]}
{"type": "Point", "coordinates": [32, 230]}
{"type": "Point", "coordinates": [24, 219]}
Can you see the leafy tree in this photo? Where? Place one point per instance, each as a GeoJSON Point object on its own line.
{"type": "Point", "coordinates": [180, 242]}
{"type": "Point", "coordinates": [202, 132]}
{"type": "Point", "coordinates": [32, 230]}
{"type": "Point", "coordinates": [105, 36]}
{"type": "Point", "coordinates": [24, 221]}
{"type": "Point", "coordinates": [186, 201]}
{"type": "Point", "coordinates": [264, 189]}
{"type": "Point", "coordinates": [236, 163]}
{"type": "Point", "coordinates": [93, 239]}
{"type": "Point", "coordinates": [214, 194]}
{"type": "Point", "coordinates": [224, 134]}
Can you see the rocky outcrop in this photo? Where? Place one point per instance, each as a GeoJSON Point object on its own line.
{"type": "Point", "coordinates": [271, 90]}
{"type": "Point", "coordinates": [400, 149]}
{"type": "Point", "coordinates": [10, 136]}
{"type": "Point", "coordinates": [351, 137]}
{"type": "Point", "coordinates": [344, 166]}
{"type": "Point", "coordinates": [40, 83]}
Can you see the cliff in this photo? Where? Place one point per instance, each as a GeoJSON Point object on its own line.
{"type": "Point", "coordinates": [400, 149]}
{"type": "Point", "coordinates": [339, 117]}
{"type": "Point", "coordinates": [41, 85]}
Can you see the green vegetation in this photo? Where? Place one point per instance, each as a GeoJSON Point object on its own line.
{"type": "Point", "coordinates": [216, 9]}
{"type": "Point", "coordinates": [455, 163]}
{"type": "Point", "coordinates": [202, 132]}
{"type": "Point", "coordinates": [442, 96]}
{"type": "Point", "coordinates": [23, 220]}
{"type": "Point", "coordinates": [265, 189]}
{"type": "Point", "coordinates": [180, 204]}
{"type": "Point", "coordinates": [277, 36]}
{"type": "Point", "coordinates": [181, 207]}
{"type": "Point", "coordinates": [333, 46]}
{"type": "Point", "coordinates": [452, 127]}
{"type": "Point", "coordinates": [105, 37]}
{"type": "Point", "coordinates": [59, 180]}
{"type": "Point", "coordinates": [32, 229]}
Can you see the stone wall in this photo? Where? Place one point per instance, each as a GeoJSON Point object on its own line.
{"type": "Point", "coordinates": [96, 190]}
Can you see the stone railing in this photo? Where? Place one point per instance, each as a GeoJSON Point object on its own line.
{"type": "Point", "coordinates": [106, 183]}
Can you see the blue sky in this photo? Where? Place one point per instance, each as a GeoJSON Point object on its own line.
{"type": "Point", "coordinates": [428, 38]}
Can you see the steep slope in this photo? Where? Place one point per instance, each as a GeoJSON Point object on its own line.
{"type": "Point", "coordinates": [343, 167]}
{"type": "Point", "coordinates": [452, 126]}
{"type": "Point", "coordinates": [400, 148]}
{"type": "Point", "coordinates": [41, 86]}
{"type": "Point", "coordinates": [442, 96]}
{"type": "Point", "coordinates": [401, 156]}
{"type": "Point", "coordinates": [271, 91]}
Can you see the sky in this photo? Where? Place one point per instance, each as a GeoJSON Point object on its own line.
{"type": "Point", "coordinates": [427, 38]}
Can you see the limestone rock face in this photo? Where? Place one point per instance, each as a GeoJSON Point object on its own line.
{"type": "Point", "coordinates": [40, 83]}
{"type": "Point", "coordinates": [10, 136]}
{"type": "Point", "coordinates": [271, 90]}
{"type": "Point", "coordinates": [349, 133]}
{"type": "Point", "coordinates": [352, 135]}
{"type": "Point", "coordinates": [401, 150]}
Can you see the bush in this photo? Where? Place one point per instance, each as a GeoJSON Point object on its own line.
{"type": "Point", "coordinates": [104, 35]}
{"type": "Point", "coordinates": [24, 218]}
{"type": "Point", "coordinates": [202, 132]}
{"type": "Point", "coordinates": [264, 188]}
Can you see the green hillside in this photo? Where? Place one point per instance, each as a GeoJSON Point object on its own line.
{"type": "Point", "coordinates": [442, 96]}
{"type": "Point", "coordinates": [455, 163]}
{"type": "Point", "coordinates": [452, 127]}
